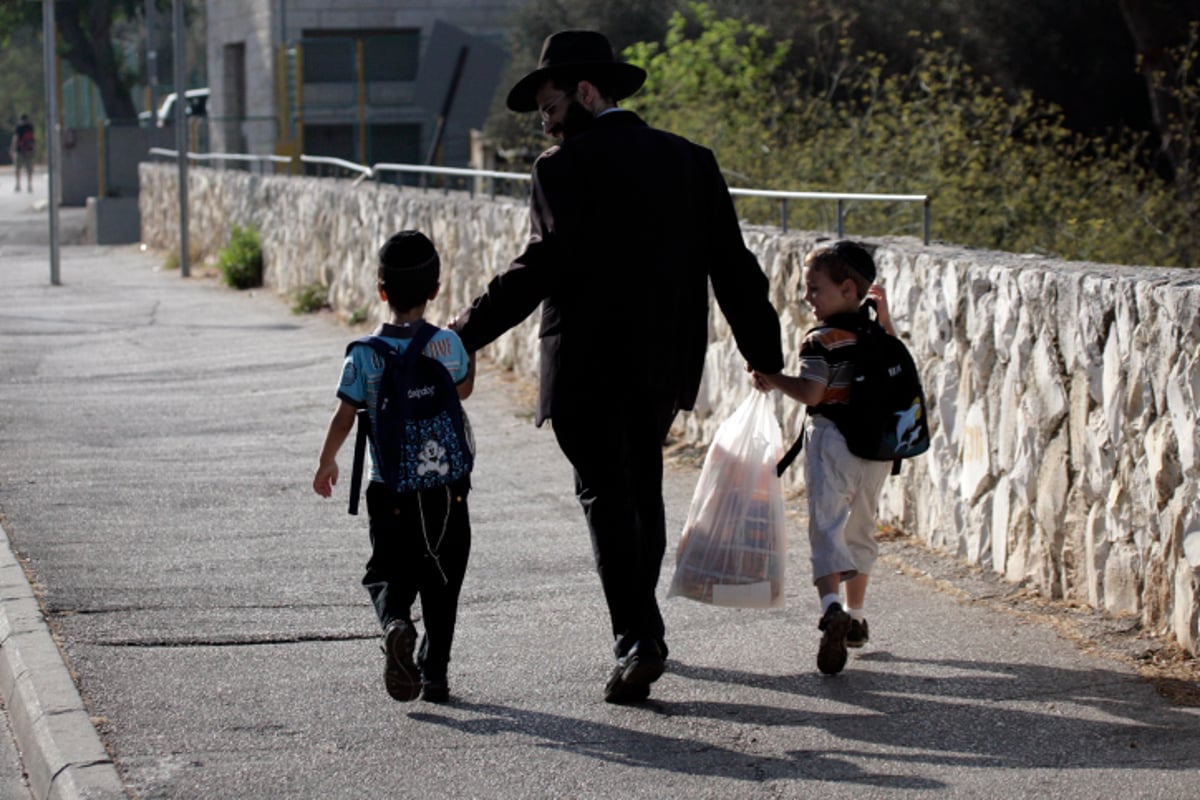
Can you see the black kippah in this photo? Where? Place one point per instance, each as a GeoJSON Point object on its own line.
{"type": "Point", "coordinates": [856, 257]}
{"type": "Point", "coordinates": [408, 250]}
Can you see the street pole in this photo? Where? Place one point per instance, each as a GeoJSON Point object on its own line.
{"type": "Point", "coordinates": [181, 137]}
{"type": "Point", "coordinates": [152, 56]}
{"type": "Point", "coordinates": [49, 35]}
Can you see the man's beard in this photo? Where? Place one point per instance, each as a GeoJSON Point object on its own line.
{"type": "Point", "coordinates": [576, 120]}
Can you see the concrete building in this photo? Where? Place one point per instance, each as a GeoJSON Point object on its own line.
{"type": "Point", "coordinates": [365, 80]}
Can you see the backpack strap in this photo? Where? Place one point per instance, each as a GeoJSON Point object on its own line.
{"type": "Point", "coordinates": [793, 451]}
{"type": "Point", "coordinates": [360, 454]}
{"type": "Point", "coordinates": [421, 338]}
{"type": "Point", "coordinates": [363, 431]}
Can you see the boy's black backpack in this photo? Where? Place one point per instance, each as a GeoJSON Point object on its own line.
{"type": "Point", "coordinates": [420, 433]}
{"type": "Point", "coordinates": [887, 418]}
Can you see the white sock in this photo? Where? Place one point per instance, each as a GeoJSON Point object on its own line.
{"type": "Point", "coordinates": [827, 600]}
{"type": "Point", "coordinates": [856, 613]}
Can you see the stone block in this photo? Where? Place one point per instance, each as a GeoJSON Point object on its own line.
{"type": "Point", "coordinates": [1185, 621]}
{"type": "Point", "coordinates": [113, 220]}
{"type": "Point", "coordinates": [1122, 589]}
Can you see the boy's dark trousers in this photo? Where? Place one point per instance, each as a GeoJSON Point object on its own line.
{"type": "Point", "coordinates": [403, 565]}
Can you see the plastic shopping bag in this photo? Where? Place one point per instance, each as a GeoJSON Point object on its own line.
{"type": "Point", "coordinates": [733, 547]}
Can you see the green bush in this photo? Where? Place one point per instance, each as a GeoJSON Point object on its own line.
{"type": "Point", "coordinates": [241, 261]}
{"type": "Point", "coordinates": [310, 299]}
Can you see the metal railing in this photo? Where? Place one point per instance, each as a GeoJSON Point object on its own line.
{"type": "Point", "coordinates": [476, 176]}
{"type": "Point", "coordinates": [494, 177]}
{"type": "Point", "coordinates": [841, 199]}
{"type": "Point", "coordinates": [236, 157]}
{"type": "Point", "coordinates": [340, 163]}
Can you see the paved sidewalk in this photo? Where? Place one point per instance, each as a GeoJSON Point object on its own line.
{"type": "Point", "coordinates": [157, 440]}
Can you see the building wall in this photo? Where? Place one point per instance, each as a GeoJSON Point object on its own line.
{"type": "Point", "coordinates": [1063, 397]}
{"type": "Point", "coordinates": [262, 25]}
{"type": "Point", "coordinates": [484, 18]}
{"type": "Point", "coordinates": [251, 23]}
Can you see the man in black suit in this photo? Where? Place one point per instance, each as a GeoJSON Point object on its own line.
{"type": "Point", "coordinates": [628, 226]}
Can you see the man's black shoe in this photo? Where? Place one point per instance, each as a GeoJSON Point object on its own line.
{"type": "Point", "coordinates": [635, 671]}
{"type": "Point", "coordinates": [435, 690]}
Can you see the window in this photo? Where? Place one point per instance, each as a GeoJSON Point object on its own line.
{"type": "Point", "coordinates": [331, 56]}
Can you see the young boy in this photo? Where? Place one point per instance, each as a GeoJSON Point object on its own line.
{"type": "Point", "coordinates": [843, 489]}
{"type": "Point", "coordinates": [420, 540]}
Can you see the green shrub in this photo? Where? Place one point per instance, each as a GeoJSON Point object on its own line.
{"type": "Point", "coordinates": [1004, 172]}
{"type": "Point", "coordinates": [241, 261]}
{"type": "Point", "coordinates": [310, 299]}
{"type": "Point", "coordinates": [358, 316]}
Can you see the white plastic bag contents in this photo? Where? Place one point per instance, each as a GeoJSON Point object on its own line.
{"type": "Point", "coordinates": [733, 546]}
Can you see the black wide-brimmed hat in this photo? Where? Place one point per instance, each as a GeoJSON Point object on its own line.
{"type": "Point", "coordinates": [580, 53]}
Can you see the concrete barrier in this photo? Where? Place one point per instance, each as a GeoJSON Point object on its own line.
{"type": "Point", "coordinates": [1063, 396]}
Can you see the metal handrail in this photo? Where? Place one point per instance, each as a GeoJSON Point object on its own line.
{"type": "Point", "coordinates": [366, 172]}
{"type": "Point", "coordinates": [374, 171]}
{"type": "Point", "coordinates": [841, 198]}
{"type": "Point", "coordinates": [471, 173]}
{"type": "Point", "coordinates": [424, 169]}
{"type": "Point", "coordinates": [162, 151]}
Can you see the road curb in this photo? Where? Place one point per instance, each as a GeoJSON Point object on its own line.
{"type": "Point", "coordinates": [60, 749]}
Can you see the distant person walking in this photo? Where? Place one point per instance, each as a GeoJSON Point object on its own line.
{"type": "Point", "coordinates": [628, 226]}
{"type": "Point", "coordinates": [22, 148]}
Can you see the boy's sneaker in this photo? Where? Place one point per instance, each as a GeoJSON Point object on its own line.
{"type": "Point", "coordinates": [859, 633]}
{"type": "Point", "coordinates": [435, 690]}
{"type": "Point", "coordinates": [831, 657]}
{"type": "Point", "coordinates": [400, 675]}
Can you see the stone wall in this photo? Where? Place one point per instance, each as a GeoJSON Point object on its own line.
{"type": "Point", "coordinates": [1064, 396]}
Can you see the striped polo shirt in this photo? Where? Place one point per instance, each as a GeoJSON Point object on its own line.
{"type": "Point", "coordinates": [827, 356]}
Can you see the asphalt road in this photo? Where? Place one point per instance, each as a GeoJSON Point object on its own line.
{"type": "Point", "coordinates": [157, 442]}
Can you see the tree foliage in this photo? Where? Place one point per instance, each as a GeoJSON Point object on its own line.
{"type": "Point", "coordinates": [85, 42]}
{"type": "Point", "coordinates": [1005, 170]}
{"type": "Point", "coordinates": [22, 91]}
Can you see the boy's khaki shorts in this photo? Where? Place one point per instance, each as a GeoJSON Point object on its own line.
{"type": "Point", "coordinates": [843, 499]}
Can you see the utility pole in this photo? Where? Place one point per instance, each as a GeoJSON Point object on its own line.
{"type": "Point", "coordinates": [49, 37]}
{"type": "Point", "coordinates": [152, 56]}
{"type": "Point", "coordinates": [181, 137]}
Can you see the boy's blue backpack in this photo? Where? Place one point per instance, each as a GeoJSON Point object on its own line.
{"type": "Point", "coordinates": [887, 418]}
{"type": "Point", "coordinates": [420, 433]}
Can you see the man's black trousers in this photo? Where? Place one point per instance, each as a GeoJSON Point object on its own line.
{"type": "Point", "coordinates": [617, 457]}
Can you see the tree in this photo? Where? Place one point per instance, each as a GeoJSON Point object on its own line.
{"type": "Point", "coordinates": [85, 29]}
{"type": "Point", "coordinates": [21, 91]}
{"type": "Point", "coordinates": [1160, 29]}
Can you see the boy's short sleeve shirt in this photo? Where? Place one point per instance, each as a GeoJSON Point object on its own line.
{"type": "Point", "coordinates": [363, 368]}
{"type": "Point", "coordinates": [827, 357]}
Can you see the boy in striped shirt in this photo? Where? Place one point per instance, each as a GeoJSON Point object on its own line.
{"type": "Point", "coordinates": [843, 489]}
